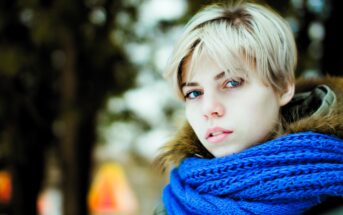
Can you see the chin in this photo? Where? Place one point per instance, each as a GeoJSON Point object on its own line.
{"type": "Point", "coordinates": [221, 154]}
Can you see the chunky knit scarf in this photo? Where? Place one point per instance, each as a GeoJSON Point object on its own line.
{"type": "Point", "coordinates": [287, 175]}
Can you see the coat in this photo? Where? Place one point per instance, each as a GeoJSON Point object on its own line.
{"type": "Point", "coordinates": [317, 106]}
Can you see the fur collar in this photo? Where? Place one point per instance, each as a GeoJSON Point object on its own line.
{"type": "Point", "coordinates": [317, 106]}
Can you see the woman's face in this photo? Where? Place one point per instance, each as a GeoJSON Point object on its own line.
{"type": "Point", "coordinates": [229, 113]}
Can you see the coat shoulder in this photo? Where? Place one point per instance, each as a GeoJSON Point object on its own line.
{"type": "Point", "coordinates": [160, 210]}
{"type": "Point", "coordinates": [322, 92]}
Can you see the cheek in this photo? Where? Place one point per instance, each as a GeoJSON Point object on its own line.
{"type": "Point", "coordinates": [191, 116]}
{"type": "Point", "coordinates": [194, 119]}
{"type": "Point", "coordinates": [260, 114]}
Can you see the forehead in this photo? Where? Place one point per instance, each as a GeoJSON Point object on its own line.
{"type": "Point", "coordinates": [205, 62]}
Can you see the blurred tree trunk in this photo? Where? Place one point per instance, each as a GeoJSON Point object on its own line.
{"type": "Point", "coordinates": [44, 103]}
{"type": "Point", "coordinates": [332, 61]}
{"type": "Point", "coordinates": [70, 124]}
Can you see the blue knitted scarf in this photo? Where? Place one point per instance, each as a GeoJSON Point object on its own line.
{"type": "Point", "coordinates": [287, 175]}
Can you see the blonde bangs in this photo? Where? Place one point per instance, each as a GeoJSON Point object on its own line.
{"type": "Point", "coordinates": [241, 39]}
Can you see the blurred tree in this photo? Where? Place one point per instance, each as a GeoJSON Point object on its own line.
{"type": "Point", "coordinates": [332, 62]}
{"type": "Point", "coordinates": [59, 62]}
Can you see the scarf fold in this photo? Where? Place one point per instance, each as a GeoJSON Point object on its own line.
{"type": "Point", "coordinates": [288, 175]}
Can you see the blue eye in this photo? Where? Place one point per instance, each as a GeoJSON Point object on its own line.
{"type": "Point", "coordinates": [193, 94]}
{"type": "Point", "coordinates": [233, 83]}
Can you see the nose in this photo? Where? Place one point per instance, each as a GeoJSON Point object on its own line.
{"type": "Point", "coordinates": [213, 108]}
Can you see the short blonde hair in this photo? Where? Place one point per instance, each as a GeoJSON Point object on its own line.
{"type": "Point", "coordinates": [229, 32]}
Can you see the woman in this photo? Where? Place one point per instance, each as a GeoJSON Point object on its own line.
{"type": "Point", "coordinates": [254, 142]}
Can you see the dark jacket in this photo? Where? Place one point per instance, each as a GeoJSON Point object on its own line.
{"type": "Point", "coordinates": [317, 106]}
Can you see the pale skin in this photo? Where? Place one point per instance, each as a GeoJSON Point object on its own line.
{"type": "Point", "coordinates": [230, 113]}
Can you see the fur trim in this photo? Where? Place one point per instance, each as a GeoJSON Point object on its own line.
{"type": "Point", "coordinates": [331, 123]}
{"type": "Point", "coordinates": [186, 144]}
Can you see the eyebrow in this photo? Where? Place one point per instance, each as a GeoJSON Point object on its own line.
{"type": "Point", "coordinates": [194, 84]}
{"type": "Point", "coordinates": [219, 76]}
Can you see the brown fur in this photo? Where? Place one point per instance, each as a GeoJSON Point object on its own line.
{"type": "Point", "coordinates": [186, 144]}
{"type": "Point", "coordinates": [329, 124]}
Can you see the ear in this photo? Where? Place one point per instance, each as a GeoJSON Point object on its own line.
{"type": "Point", "coordinates": [287, 95]}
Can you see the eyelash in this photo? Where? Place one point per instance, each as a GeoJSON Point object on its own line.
{"type": "Point", "coordinates": [187, 96]}
{"type": "Point", "coordinates": [239, 82]}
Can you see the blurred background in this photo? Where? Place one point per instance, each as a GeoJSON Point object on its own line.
{"type": "Point", "coordinates": [84, 107]}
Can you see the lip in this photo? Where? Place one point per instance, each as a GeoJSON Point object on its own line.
{"type": "Point", "coordinates": [223, 133]}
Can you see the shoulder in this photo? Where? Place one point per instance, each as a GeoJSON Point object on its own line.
{"type": "Point", "coordinates": [332, 205]}
{"type": "Point", "coordinates": [160, 209]}
{"type": "Point", "coordinates": [183, 145]}
{"type": "Point", "coordinates": [317, 106]}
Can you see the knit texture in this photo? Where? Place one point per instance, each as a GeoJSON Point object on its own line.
{"type": "Point", "coordinates": [287, 175]}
